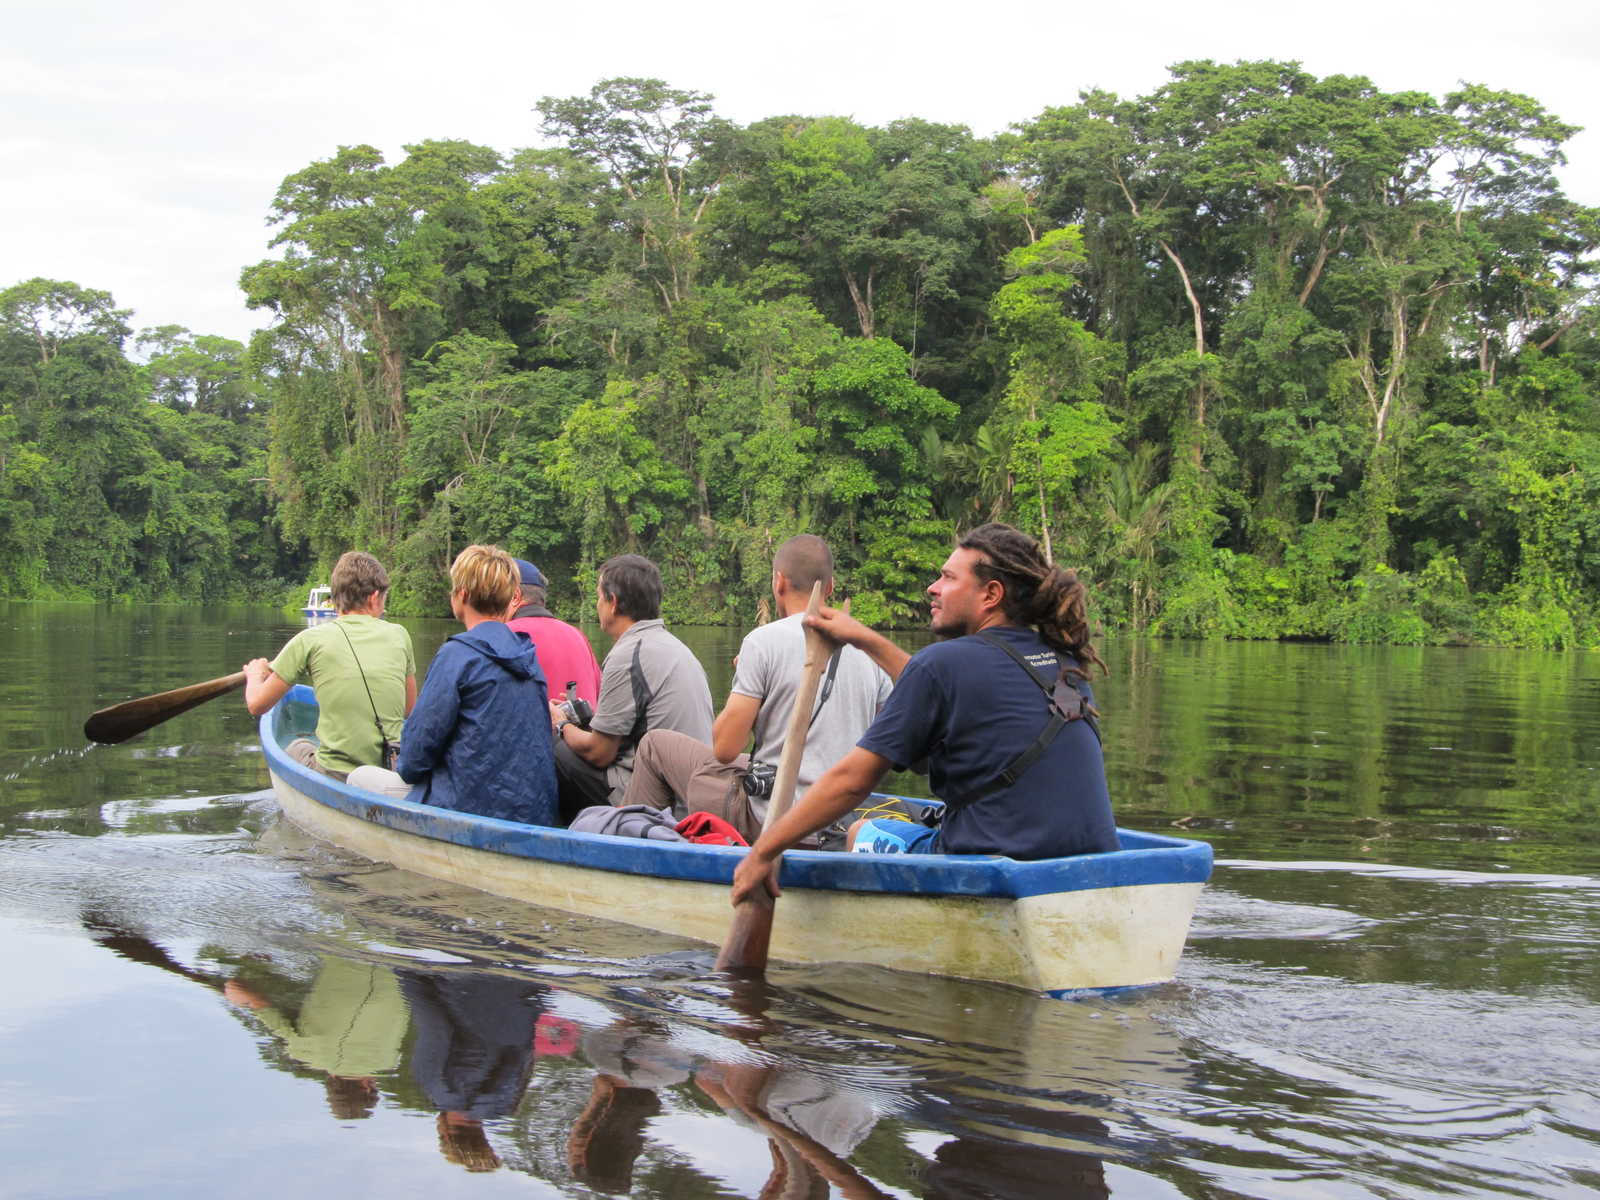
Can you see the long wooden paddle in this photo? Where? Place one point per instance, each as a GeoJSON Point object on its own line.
{"type": "Point", "coordinates": [746, 946]}
{"type": "Point", "coordinates": [122, 721]}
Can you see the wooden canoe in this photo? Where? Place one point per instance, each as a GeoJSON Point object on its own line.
{"type": "Point", "coordinates": [1089, 923]}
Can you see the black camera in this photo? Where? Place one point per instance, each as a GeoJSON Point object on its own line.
{"type": "Point", "coordinates": [758, 779]}
{"type": "Point", "coordinates": [575, 708]}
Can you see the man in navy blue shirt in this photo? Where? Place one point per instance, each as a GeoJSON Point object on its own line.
{"type": "Point", "coordinates": [1000, 709]}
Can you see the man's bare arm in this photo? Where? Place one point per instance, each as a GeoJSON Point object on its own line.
{"type": "Point", "coordinates": [841, 627]}
{"type": "Point", "coordinates": [595, 748]}
{"type": "Point", "coordinates": [730, 733]}
{"type": "Point", "coordinates": [262, 686]}
{"type": "Point", "coordinates": [840, 790]}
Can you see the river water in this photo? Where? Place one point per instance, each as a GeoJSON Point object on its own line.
{"type": "Point", "coordinates": [1390, 989]}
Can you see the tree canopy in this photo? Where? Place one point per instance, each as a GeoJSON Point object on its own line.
{"type": "Point", "coordinates": [1262, 354]}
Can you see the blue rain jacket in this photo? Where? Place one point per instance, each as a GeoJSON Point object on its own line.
{"type": "Point", "coordinates": [478, 740]}
{"type": "Point", "coordinates": [474, 1042]}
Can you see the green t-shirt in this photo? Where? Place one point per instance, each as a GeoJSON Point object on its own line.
{"type": "Point", "coordinates": [352, 1023]}
{"type": "Point", "coordinates": [321, 656]}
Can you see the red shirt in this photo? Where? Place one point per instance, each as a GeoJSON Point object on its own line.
{"type": "Point", "coordinates": [564, 655]}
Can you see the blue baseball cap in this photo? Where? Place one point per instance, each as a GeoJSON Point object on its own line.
{"type": "Point", "coordinates": [531, 575]}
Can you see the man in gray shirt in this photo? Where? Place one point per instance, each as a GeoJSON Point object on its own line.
{"type": "Point", "coordinates": [692, 776]}
{"type": "Point", "coordinates": [650, 680]}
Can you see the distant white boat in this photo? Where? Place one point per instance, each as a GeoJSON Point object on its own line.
{"type": "Point", "coordinates": [319, 603]}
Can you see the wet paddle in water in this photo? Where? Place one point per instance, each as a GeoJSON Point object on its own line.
{"type": "Point", "coordinates": [745, 949]}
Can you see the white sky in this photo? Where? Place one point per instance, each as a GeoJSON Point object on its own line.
{"type": "Point", "coordinates": [140, 145]}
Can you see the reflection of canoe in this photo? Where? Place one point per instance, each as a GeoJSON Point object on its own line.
{"type": "Point", "coordinates": [1097, 921]}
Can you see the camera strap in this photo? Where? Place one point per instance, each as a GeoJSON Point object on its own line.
{"type": "Point", "coordinates": [756, 765]}
{"type": "Point", "coordinates": [827, 688]}
{"type": "Point", "coordinates": [383, 736]}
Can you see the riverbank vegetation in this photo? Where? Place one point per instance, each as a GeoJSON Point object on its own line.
{"type": "Point", "coordinates": [1263, 354]}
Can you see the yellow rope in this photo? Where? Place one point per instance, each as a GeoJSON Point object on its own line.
{"type": "Point", "coordinates": [886, 811]}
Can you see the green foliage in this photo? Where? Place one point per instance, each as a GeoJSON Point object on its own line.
{"type": "Point", "coordinates": [1202, 602]}
{"type": "Point", "coordinates": [1444, 601]}
{"type": "Point", "coordinates": [1264, 354]}
{"type": "Point", "coordinates": [1533, 615]}
{"type": "Point", "coordinates": [1381, 607]}
{"type": "Point", "coordinates": [119, 480]}
{"type": "Point", "coordinates": [613, 473]}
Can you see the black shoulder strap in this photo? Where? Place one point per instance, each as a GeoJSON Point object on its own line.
{"type": "Point", "coordinates": [1067, 703]}
{"type": "Point", "coordinates": [827, 688]}
{"type": "Point", "coordinates": [383, 736]}
{"type": "Point", "coordinates": [1066, 697]}
{"type": "Point", "coordinates": [642, 695]}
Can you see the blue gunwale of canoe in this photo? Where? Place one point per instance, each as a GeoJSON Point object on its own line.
{"type": "Point", "coordinates": [1146, 858]}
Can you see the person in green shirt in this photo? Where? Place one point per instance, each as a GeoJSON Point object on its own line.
{"type": "Point", "coordinates": [361, 667]}
{"type": "Point", "coordinates": [351, 1027]}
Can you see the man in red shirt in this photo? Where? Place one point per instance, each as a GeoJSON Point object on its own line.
{"type": "Point", "coordinates": [565, 655]}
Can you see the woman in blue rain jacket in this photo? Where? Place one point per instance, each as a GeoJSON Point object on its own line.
{"type": "Point", "coordinates": [478, 740]}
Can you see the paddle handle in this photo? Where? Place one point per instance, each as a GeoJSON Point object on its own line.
{"type": "Point", "coordinates": [794, 741]}
{"type": "Point", "coordinates": [745, 948]}
{"type": "Point", "coordinates": [123, 721]}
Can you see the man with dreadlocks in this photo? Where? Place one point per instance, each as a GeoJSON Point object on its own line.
{"type": "Point", "coordinates": [1000, 709]}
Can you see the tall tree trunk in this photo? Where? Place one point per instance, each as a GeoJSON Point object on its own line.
{"type": "Point", "coordinates": [1044, 527]}
{"type": "Point", "coordinates": [1198, 397]}
{"type": "Point", "coordinates": [861, 297]}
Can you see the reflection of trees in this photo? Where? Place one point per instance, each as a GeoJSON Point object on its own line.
{"type": "Point", "coordinates": [1427, 756]}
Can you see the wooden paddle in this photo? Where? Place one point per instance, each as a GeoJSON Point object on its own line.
{"type": "Point", "coordinates": [746, 946]}
{"type": "Point", "coordinates": [122, 721]}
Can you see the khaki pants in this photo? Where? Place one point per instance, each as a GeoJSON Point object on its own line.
{"type": "Point", "coordinates": [380, 780]}
{"type": "Point", "coordinates": [304, 752]}
{"type": "Point", "coordinates": [672, 769]}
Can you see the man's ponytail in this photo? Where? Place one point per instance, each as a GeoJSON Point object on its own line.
{"type": "Point", "coordinates": [1051, 600]}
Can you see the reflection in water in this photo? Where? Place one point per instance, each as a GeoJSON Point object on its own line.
{"type": "Point", "coordinates": [476, 1036]}
{"type": "Point", "coordinates": [811, 1123]}
{"type": "Point", "coordinates": [1391, 988]}
{"type": "Point", "coordinates": [349, 1027]}
{"type": "Point", "coordinates": [609, 1134]}
{"type": "Point", "coordinates": [647, 1070]}
{"type": "Point", "coordinates": [596, 1058]}
{"type": "Point", "coordinates": [622, 1086]}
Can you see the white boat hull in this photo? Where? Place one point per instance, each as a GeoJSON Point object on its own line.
{"type": "Point", "coordinates": [1087, 938]}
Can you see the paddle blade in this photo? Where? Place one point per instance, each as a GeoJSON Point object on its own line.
{"type": "Point", "coordinates": [122, 721]}
{"type": "Point", "coordinates": [745, 948]}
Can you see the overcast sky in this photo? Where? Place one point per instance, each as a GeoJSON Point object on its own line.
{"type": "Point", "coordinates": [142, 144]}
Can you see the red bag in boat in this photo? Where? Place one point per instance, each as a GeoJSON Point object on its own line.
{"type": "Point", "coordinates": [708, 827]}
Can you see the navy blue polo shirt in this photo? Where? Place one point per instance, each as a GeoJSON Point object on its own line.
{"type": "Point", "coordinates": [970, 710]}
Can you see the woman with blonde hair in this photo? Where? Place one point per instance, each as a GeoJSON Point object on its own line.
{"type": "Point", "coordinates": [479, 738]}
